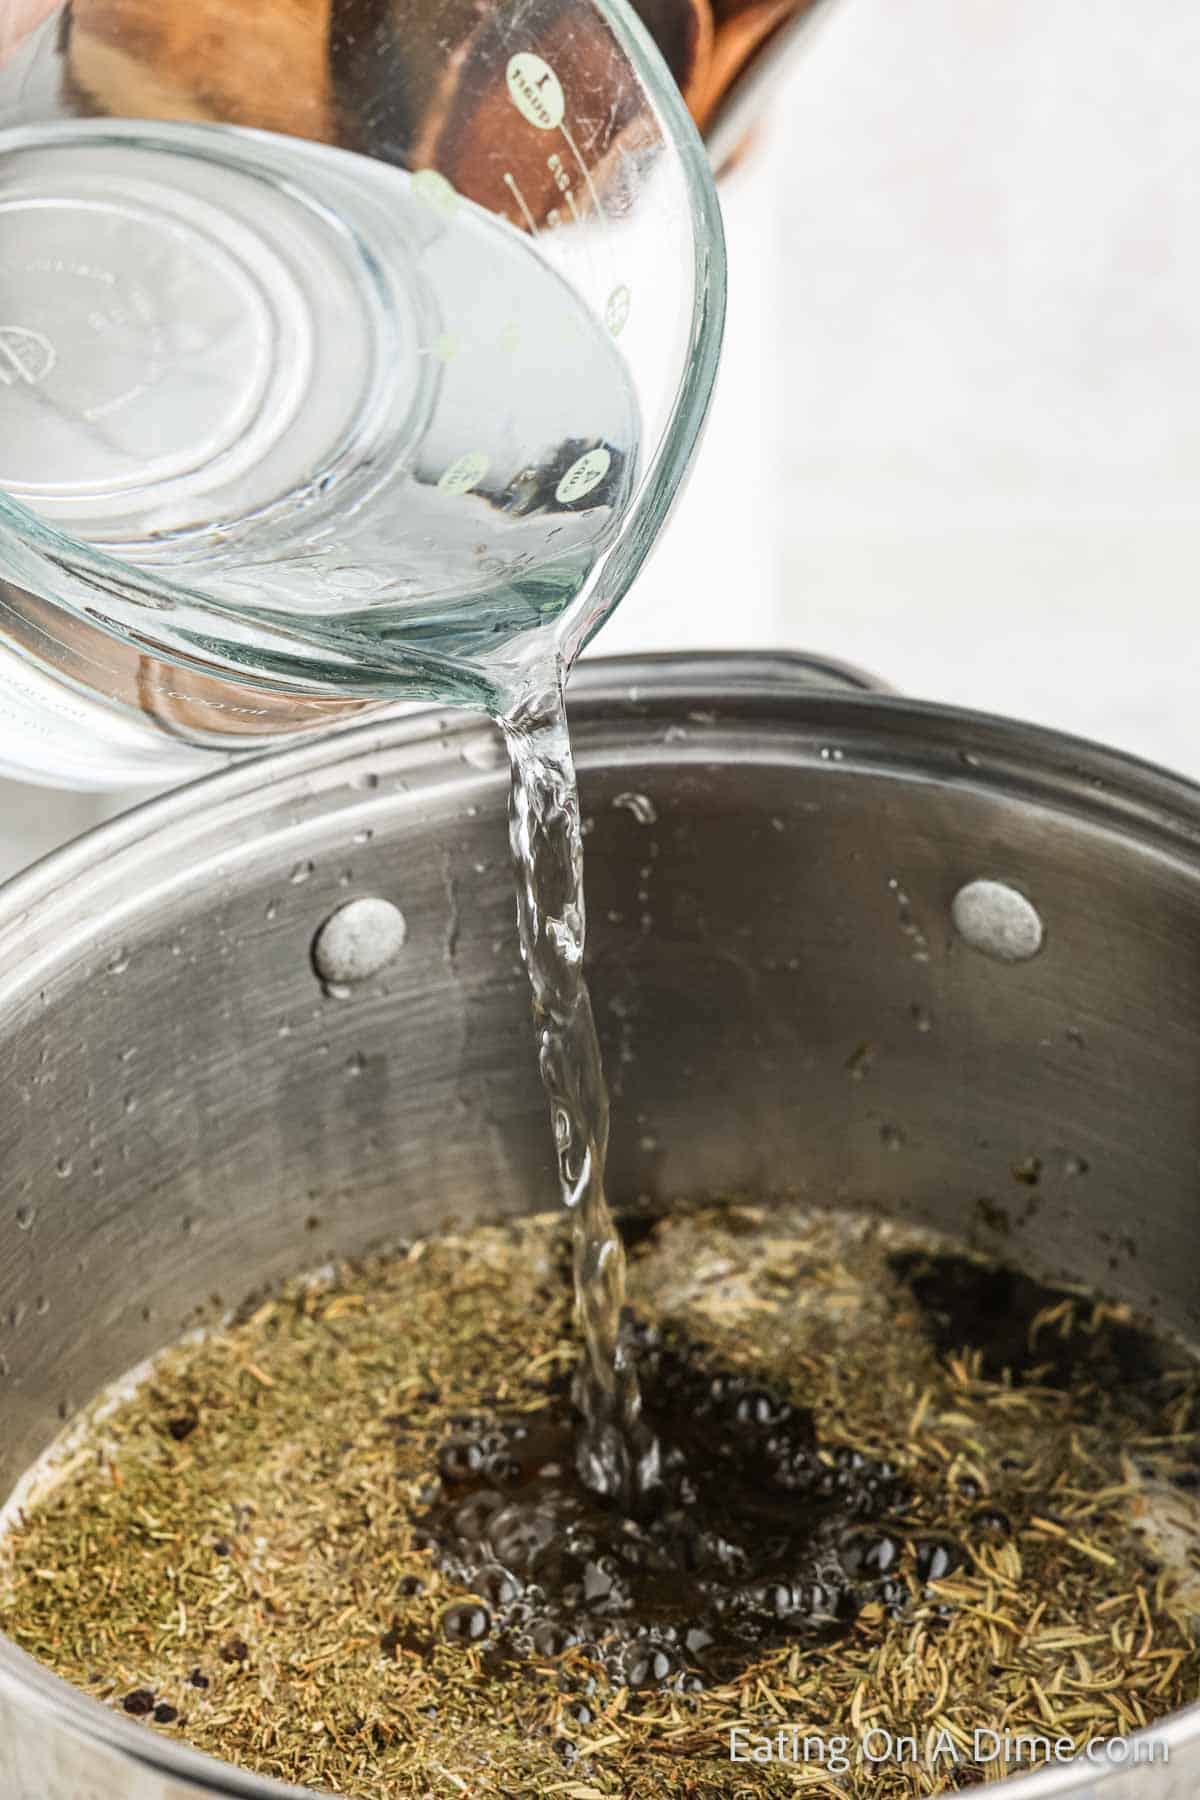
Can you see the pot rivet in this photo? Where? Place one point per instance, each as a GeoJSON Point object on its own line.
{"type": "Point", "coordinates": [996, 919]}
{"type": "Point", "coordinates": [358, 940]}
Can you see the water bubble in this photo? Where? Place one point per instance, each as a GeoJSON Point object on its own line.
{"type": "Point", "coordinates": [646, 1665]}
{"type": "Point", "coordinates": [997, 920]}
{"type": "Point", "coordinates": [358, 940]}
{"type": "Point", "coordinates": [937, 1558]}
{"type": "Point", "coordinates": [549, 1638]}
{"type": "Point", "coordinates": [118, 963]}
{"type": "Point", "coordinates": [356, 1063]}
{"type": "Point", "coordinates": [41, 1306]}
{"type": "Point", "coordinates": [63, 1167]}
{"type": "Point", "coordinates": [876, 1554]}
{"type": "Point", "coordinates": [497, 1585]}
{"type": "Point", "coordinates": [466, 1623]}
{"type": "Point", "coordinates": [891, 1137]}
{"type": "Point", "coordinates": [759, 1407]}
{"type": "Point", "coordinates": [364, 836]}
{"type": "Point", "coordinates": [302, 871]}
{"type": "Point", "coordinates": [25, 1217]}
{"type": "Point", "coordinates": [921, 1018]}
{"type": "Point", "coordinates": [518, 1536]}
{"type": "Point", "coordinates": [475, 1515]}
{"type": "Point", "coordinates": [599, 1578]}
{"type": "Point", "coordinates": [460, 1459]}
{"type": "Point", "coordinates": [368, 780]}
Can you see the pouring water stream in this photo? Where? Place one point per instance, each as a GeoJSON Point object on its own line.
{"type": "Point", "coordinates": [616, 1453]}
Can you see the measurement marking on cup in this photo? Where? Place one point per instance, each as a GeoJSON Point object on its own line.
{"type": "Point", "coordinates": [535, 90]}
{"type": "Point", "coordinates": [519, 197]}
{"type": "Point", "coordinates": [585, 172]}
{"type": "Point", "coordinates": [24, 356]}
{"type": "Point", "coordinates": [466, 473]}
{"type": "Point", "coordinates": [584, 474]}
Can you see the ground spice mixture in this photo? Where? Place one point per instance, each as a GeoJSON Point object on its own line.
{"type": "Point", "coordinates": [972, 1505]}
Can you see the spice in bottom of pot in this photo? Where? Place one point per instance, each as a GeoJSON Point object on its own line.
{"type": "Point", "coordinates": [913, 1513]}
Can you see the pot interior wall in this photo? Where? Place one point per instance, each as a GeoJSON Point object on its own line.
{"type": "Point", "coordinates": [785, 1004]}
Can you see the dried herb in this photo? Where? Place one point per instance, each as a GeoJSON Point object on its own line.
{"type": "Point", "coordinates": [253, 1584]}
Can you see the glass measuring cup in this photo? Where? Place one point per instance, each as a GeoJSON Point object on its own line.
{"type": "Point", "coordinates": [347, 353]}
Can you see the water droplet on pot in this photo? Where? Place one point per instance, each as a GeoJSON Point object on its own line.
{"type": "Point", "coordinates": [640, 806]}
{"type": "Point", "coordinates": [484, 749]}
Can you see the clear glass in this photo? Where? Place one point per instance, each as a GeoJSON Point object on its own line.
{"type": "Point", "coordinates": [345, 356]}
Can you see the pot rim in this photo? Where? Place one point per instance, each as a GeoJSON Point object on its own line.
{"type": "Point", "coordinates": [934, 739]}
{"type": "Point", "coordinates": [835, 717]}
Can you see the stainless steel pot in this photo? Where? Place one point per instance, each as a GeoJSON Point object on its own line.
{"type": "Point", "coordinates": [179, 1107]}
